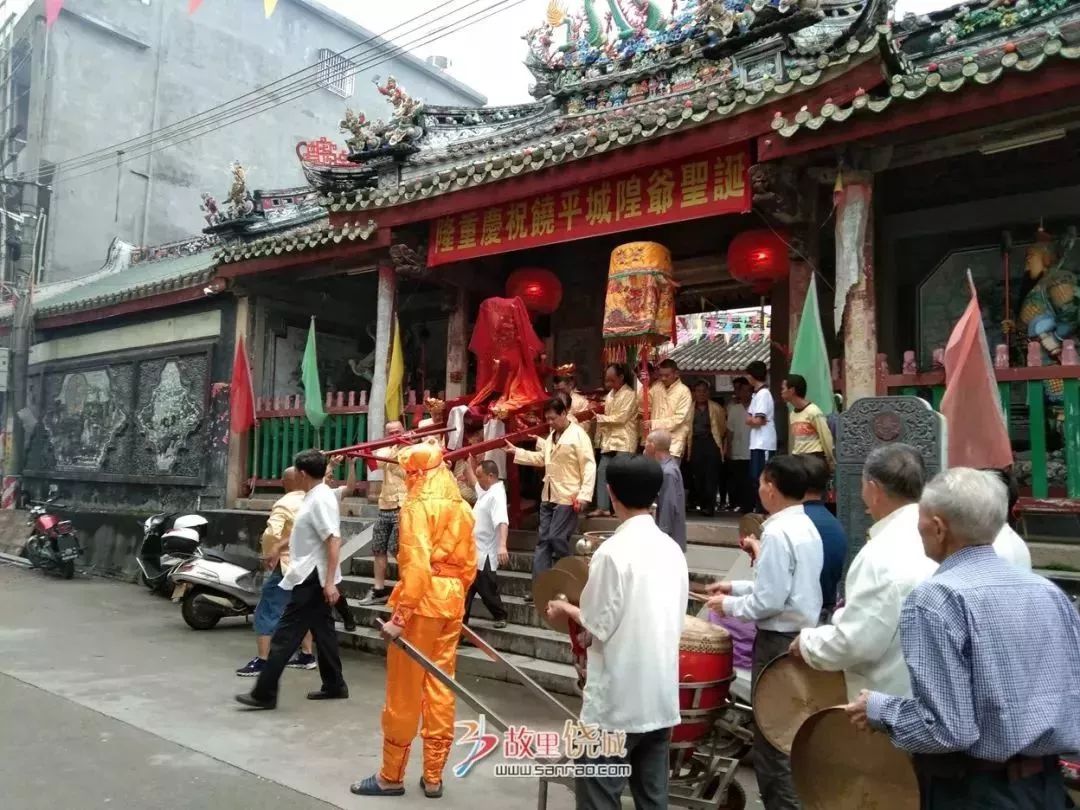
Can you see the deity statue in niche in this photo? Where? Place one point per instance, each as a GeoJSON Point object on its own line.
{"type": "Point", "coordinates": [1050, 303]}
{"type": "Point", "coordinates": [169, 418]}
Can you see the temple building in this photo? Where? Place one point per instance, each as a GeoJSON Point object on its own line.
{"type": "Point", "coordinates": [759, 144]}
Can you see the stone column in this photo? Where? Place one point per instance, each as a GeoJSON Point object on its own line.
{"type": "Point", "coordinates": [384, 316]}
{"type": "Point", "coordinates": [457, 346]}
{"type": "Point", "coordinates": [855, 250]}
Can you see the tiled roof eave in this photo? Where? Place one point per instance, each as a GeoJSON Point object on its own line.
{"type": "Point", "coordinates": [603, 137]}
{"type": "Point", "coordinates": [908, 88]}
{"type": "Point", "coordinates": [162, 287]}
{"type": "Point", "coordinates": [297, 242]}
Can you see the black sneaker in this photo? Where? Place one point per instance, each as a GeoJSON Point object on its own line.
{"type": "Point", "coordinates": [376, 596]}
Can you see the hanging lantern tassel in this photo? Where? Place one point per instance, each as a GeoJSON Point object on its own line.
{"type": "Point", "coordinates": [193, 6]}
{"type": "Point", "coordinates": [269, 6]}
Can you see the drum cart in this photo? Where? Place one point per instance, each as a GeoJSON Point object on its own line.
{"type": "Point", "coordinates": [700, 780]}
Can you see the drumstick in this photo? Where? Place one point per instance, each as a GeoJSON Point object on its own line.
{"type": "Point", "coordinates": [698, 597]}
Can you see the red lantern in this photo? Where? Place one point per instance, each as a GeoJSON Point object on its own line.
{"type": "Point", "coordinates": [758, 258]}
{"type": "Point", "coordinates": [540, 289]}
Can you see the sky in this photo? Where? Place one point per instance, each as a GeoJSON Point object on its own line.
{"type": "Point", "coordinates": [489, 54]}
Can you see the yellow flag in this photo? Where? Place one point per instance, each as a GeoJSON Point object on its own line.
{"type": "Point", "coordinates": [269, 6]}
{"type": "Point", "coordinates": [395, 378]}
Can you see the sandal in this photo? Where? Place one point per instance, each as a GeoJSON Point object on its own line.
{"type": "Point", "coordinates": [371, 787]}
{"type": "Point", "coordinates": [431, 793]}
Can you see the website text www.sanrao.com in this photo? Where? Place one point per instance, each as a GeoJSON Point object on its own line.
{"type": "Point", "coordinates": [563, 770]}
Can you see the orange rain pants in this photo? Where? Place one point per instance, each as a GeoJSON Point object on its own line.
{"type": "Point", "coordinates": [436, 565]}
{"type": "Point", "coordinates": [412, 694]}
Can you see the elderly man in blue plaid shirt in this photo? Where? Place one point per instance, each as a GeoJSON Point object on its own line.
{"type": "Point", "coordinates": [994, 656]}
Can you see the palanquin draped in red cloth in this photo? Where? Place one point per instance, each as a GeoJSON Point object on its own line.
{"type": "Point", "coordinates": [506, 348]}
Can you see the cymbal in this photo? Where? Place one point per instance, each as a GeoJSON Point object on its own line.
{"type": "Point", "coordinates": [556, 583]}
{"type": "Point", "coordinates": [750, 525]}
{"type": "Point", "coordinates": [836, 766]}
{"type": "Point", "coordinates": [578, 567]}
{"type": "Point", "coordinates": [787, 692]}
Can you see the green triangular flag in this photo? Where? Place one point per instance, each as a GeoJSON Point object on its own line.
{"type": "Point", "coordinates": [810, 357]}
{"type": "Point", "coordinates": [309, 372]}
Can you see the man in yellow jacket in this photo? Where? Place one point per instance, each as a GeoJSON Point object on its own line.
{"type": "Point", "coordinates": [566, 454]}
{"type": "Point", "coordinates": [705, 448]}
{"type": "Point", "coordinates": [670, 407]}
{"type": "Point", "coordinates": [436, 565]}
{"type": "Point", "coordinates": [616, 430]}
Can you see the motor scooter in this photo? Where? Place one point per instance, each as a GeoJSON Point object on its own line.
{"type": "Point", "coordinates": [53, 544]}
{"type": "Point", "coordinates": [210, 588]}
{"type": "Point", "coordinates": [163, 548]}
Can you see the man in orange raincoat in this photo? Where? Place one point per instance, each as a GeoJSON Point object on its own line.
{"type": "Point", "coordinates": [436, 564]}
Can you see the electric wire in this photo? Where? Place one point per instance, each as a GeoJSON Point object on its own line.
{"type": "Point", "coordinates": [110, 161]}
{"type": "Point", "coordinates": [276, 93]}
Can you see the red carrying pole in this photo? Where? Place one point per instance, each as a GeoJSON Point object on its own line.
{"type": "Point", "coordinates": [500, 443]}
{"type": "Point", "coordinates": [358, 450]}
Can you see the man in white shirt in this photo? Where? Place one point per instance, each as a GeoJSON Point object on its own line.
{"type": "Point", "coordinates": [491, 530]}
{"type": "Point", "coordinates": [863, 640]}
{"type": "Point", "coordinates": [633, 606]}
{"type": "Point", "coordinates": [785, 598]}
{"type": "Point", "coordinates": [1008, 544]}
{"type": "Point", "coordinates": [761, 420]}
{"type": "Point", "coordinates": [313, 575]}
{"type": "Point", "coordinates": [737, 450]}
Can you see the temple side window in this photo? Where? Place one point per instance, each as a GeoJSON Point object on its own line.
{"type": "Point", "coordinates": [336, 73]}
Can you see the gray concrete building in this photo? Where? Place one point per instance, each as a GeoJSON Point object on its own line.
{"type": "Point", "coordinates": [111, 71]}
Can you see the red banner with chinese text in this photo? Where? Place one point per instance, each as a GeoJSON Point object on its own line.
{"type": "Point", "coordinates": [701, 186]}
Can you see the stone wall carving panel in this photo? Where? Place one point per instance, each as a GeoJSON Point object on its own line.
{"type": "Point", "coordinates": [138, 417]}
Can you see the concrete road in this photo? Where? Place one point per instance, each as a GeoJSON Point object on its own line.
{"type": "Point", "coordinates": [107, 699]}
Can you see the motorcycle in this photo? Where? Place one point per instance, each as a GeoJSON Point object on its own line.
{"type": "Point", "coordinates": [162, 550]}
{"type": "Point", "coordinates": [210, 588]}
{"type": "Point", "coordinates": [53, 543]}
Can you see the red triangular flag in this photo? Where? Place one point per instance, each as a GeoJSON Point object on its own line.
{"type": "Point", "coordinates": [976, 430]}
{"type": "Point", "coordinates": [193, 6]}
{"type": "Point", "coordinates": [52, 10]}
{"type": "Point", "coordinates": [241, 393]}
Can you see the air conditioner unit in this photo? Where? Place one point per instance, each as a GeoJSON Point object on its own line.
{"type": "Point", "coordinates": [441, 62]}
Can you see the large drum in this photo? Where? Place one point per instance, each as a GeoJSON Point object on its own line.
{"type": "Point", "coordinates": [706, 670]}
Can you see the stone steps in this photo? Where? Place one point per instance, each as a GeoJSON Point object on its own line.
{"type": "Point", "coordinates": [555, 677]}
{"type": "Point", "coordinates": [529, 641]}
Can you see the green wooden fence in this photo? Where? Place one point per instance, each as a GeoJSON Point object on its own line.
{"type": "Point", "coordinates": [1020, 387]}
{"type": "Point", "coordinates": [283, 430]}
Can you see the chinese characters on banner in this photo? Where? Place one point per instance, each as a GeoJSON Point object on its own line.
{"type": "Point", "coordinates": [701, 186]}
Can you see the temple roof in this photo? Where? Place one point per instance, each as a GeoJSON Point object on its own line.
{"type": "Point", "coordinates": [716, 355]}
{"type": "Point", "coordinates": [128, 274]}
{"type": "Point", "coordinates": [968, 45]}
{"type": "Point", "coordinates": [645, 76]}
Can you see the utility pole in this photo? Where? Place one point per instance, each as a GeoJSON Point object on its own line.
{"type": "Point", "coordinates": [31, 250]}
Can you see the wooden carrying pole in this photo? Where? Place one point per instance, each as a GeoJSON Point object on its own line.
{"type": "Point", "coordinates": [500, 443]}
{"type": "Point", "coordinates": [358, 450]}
